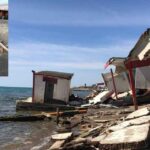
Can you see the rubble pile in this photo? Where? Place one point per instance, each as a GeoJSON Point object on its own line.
{"type": "Point", "coordinates": [104, 129]}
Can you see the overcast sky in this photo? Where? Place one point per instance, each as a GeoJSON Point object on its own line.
{"type": "Point", "coordinates": [76, 36]}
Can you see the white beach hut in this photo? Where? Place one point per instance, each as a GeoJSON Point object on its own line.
{"type": "Point", "coordinates": [51, 87]}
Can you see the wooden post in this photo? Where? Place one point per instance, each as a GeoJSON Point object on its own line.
{"type": "Point", "coordinates": [115, 90]}
{"type": "Point", "coordinates": [57, 119]}
{"type": "Point", "coordinates": [33, 86]}
{"type": "Point", "coordinates": [132, 85]}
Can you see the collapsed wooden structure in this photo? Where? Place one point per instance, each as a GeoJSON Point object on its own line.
{"type": "Point", "coordinates": [139, 60]}
{"type": "Point", "coordinates": [131, 132]}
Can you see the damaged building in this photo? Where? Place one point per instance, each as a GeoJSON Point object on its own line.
{"type": "Point", "coordinates": [132, 74]}
{"type": "Point", "coordinates": [51, 87]}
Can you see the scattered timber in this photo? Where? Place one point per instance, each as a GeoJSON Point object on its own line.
{"type": "Point", "coordinates": [57, 145]}
{"type": "Point", "coordinates": [23, 118]}
{"type": "Point", "coordinates": [28, 106]}
{"type": "Point", "coordinates": [102, 131]}
{"type": "Point", "coordinates": [62, 136]}
{"type": "Point", "coordinates": [42, 116]}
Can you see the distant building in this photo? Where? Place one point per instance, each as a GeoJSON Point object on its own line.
{"type": "Point", "coordinates": [51, 87]}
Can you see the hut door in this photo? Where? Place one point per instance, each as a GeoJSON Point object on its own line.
{"type": "Point", "coordinates": [49, 89]}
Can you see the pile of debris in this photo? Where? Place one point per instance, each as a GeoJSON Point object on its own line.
{"type": "Point", "coordinates": [102, 129]}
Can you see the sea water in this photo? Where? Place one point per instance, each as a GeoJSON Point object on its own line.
{"type": "Point", "coordinates": [21, 135]}
{"type": "Point", "coordinates": [24, 135]}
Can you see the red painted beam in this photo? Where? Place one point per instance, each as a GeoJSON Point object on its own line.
{"type": "Point", "coordinates": [133, 88]}
{"type": "Point", "coordinates": [49, 79]}
{"type": "Point", "coordinates": [137, 63]}
{"type": "Point", "coordinates": [130, 64]}
{"type": "Point", "coordinates": [42, 74]}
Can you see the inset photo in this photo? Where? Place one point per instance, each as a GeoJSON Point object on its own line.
{"type": "Point", "coordinates": [3, 38]}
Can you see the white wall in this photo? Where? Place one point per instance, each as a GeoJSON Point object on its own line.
{"type": "Point", "coordinates": [61, 89]}
{"type": "Point", "coordinates": [39, 89]}
{"type": "Point", "coordinates": [121, 82]}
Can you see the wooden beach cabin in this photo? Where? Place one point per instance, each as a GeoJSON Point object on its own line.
{"type": "Point", "coordinates": [50, 91]}
{"type": "Point", "coordinates": [51, 87]}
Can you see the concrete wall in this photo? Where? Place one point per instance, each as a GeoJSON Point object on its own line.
{"type": "Point", "coordinates": [61, 89]}
{"type": "Point", "coordinates": [121, 82]}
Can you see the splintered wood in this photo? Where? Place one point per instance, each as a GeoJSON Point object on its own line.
{"type": "Point", "coordinates": [107, 130]}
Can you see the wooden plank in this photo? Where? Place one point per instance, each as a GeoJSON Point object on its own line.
{"type": "Point", "coordinates": [137, 121]}
{"type": "Point", "coordinates": [137, 63]}
{"type": "Point", "coordinates": [98, 139]}
{"type": "Point", "coordinates": [127, 135]}
{"type": "Point", "coordinates": [23, 118]}
{"type": "Point", "coordinates": [138, 113]}
{"type": "Point", "coordinates": [62, 136]}
{"type": "Point", "coordinates": [57, 145]}
{"type": "Point", "coordinates": [101, 121]}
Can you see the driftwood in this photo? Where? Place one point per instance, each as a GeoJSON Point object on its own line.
{"type": "Point", "coordinates": [77, 141]}
{"type": "Point", "coordinates": [79, 146]}
{"type": "Point", "coordinates": [67, 113]}
{"type": "Point", "coordinates": [23, 118]}
{"type": "Point", "coordinates": [135, 136]}
{"type": "Point", "coordinates": [57, 145]}
{"type": "Point", "coordinates": [62, 136]}
{"type": "Point", "coordinates": [41, 116]}
{"type": "Point", "coordinates": [28, 106]}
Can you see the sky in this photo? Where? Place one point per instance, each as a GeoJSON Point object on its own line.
{"type": "Point", "coordinates": [75, 36]}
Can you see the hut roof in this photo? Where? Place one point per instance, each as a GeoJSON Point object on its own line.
{"type": "Point", "coordinates": [56, 74]}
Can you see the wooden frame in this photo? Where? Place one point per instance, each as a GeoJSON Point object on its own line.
{"type": "Point", "coordinates": [130, 64]}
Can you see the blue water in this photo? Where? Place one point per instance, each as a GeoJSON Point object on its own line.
{"type": "Point", "coordinates": [24, 135]}
{"type": "Point", "coordinates": [8, 97]}
{"type": "Point", "coordinates": [81, 94]}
